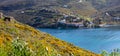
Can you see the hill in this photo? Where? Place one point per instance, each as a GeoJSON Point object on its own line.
{"type": "Point", "coordinates": [20, 39]}
{"type": "Point", "coordinates": [33, 7]}
{"type": "Point", "coordinates": [30, 11]}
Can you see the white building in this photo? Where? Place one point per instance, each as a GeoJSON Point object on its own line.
{"type": "Point", "coordinates": [63, 21]}
{"type": "Point", "coordinates": [22, 12]}
{"type": "Point", "coordinates": [65, 6]}
{"type": "Point", "coordinates": [117, 18]}
{"type": "Point", "coordinates": [78, 17]}
{"type": "Point", "coordinates": [65, 15]}
{"type": "Point", "coordinates": [80, 1]}
{"type": "Point", "coordinates": [107, 14]}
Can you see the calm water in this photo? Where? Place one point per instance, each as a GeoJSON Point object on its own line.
{"type": "Point", "coordinates": [90, 39]}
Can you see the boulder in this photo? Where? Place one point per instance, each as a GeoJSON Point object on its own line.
{"type": "Point", "coordinates": [9, 19]}
{"type": "Point", "coordinates": [1, 15]}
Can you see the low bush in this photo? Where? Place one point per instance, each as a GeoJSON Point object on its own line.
{"type": "Point", "coordinates": [115, 52]}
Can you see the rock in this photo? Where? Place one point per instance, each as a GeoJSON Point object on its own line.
{"type": "Point", "coordinates": [1, 15]}
{"type": "Point", "coordinates": [9, 18]}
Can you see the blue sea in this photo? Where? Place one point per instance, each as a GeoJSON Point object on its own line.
{"type": "Point", "coordinates": [94, 39]}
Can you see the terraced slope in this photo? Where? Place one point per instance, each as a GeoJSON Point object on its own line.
{"type": "Point", "coordinates": [39, 43]}
{"type": "Point", "coordinates": [30, 10]}
{"type": "Point", "coordinates": [33, 7]}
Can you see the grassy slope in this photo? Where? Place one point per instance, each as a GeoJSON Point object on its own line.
{"type": "Point", "coordinates": [36, 39]}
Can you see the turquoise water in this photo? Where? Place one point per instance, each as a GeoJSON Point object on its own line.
{"type": "Point", "coordinates": [94, 40]}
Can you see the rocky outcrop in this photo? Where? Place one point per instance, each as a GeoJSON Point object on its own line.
{"type": "Point", "coordinates": [1, 15]}
{"type": "Point", "coordinates": [7, 18]}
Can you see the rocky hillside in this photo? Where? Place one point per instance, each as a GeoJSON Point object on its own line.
{"type": "Point", "coordinates": [46, 11]}
{"type": "Point", "coordinates": [26, 8]}
{"type": "Point", "coordinates": [20, 39]}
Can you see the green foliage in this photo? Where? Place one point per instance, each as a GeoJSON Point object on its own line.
{"type": "Point", "coordinates": [19, 48]}
{"type": "Point", "coordinates": [16, 48]}
{"type": "Point", "coordinates": [13, 30]}
{"type": "Point", "coordinates": [3, 52]}
{"type": "Point", "coordinates": [104, 53]}
{"type": "Point", "coordinates": [116, 52]}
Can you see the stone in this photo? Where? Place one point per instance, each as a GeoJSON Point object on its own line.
{"type": "Point", "coordinates": [9, 19]}
{"type": "Point", "coordinates": [1, 15]}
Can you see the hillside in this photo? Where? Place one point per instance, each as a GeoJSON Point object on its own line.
{"type": "Point", "coordinates": [17, 35]}
{"type": "Point", "coordinates": [69, 7]}
{"type": "Point", "coordinates": [30, 11]}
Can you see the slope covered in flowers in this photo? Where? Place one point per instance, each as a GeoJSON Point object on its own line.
{"type": "Point", "coordinates": [17, 39]}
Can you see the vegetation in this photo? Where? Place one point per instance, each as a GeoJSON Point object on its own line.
{"type": "Point", "coordinates": [116, 52]}
{"type": "Point", "coordinates": [20, 39]}
{"type": "Point", "coordinates": [20, 48]}
{"type": "Point", "coordinates": [29, 11]}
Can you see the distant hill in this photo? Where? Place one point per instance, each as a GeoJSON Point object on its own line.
{"type": "Point", "coordinates": [29, 10]}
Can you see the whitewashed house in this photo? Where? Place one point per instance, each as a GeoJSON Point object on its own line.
{"type": "Point", "coordinates": [62, 21]}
